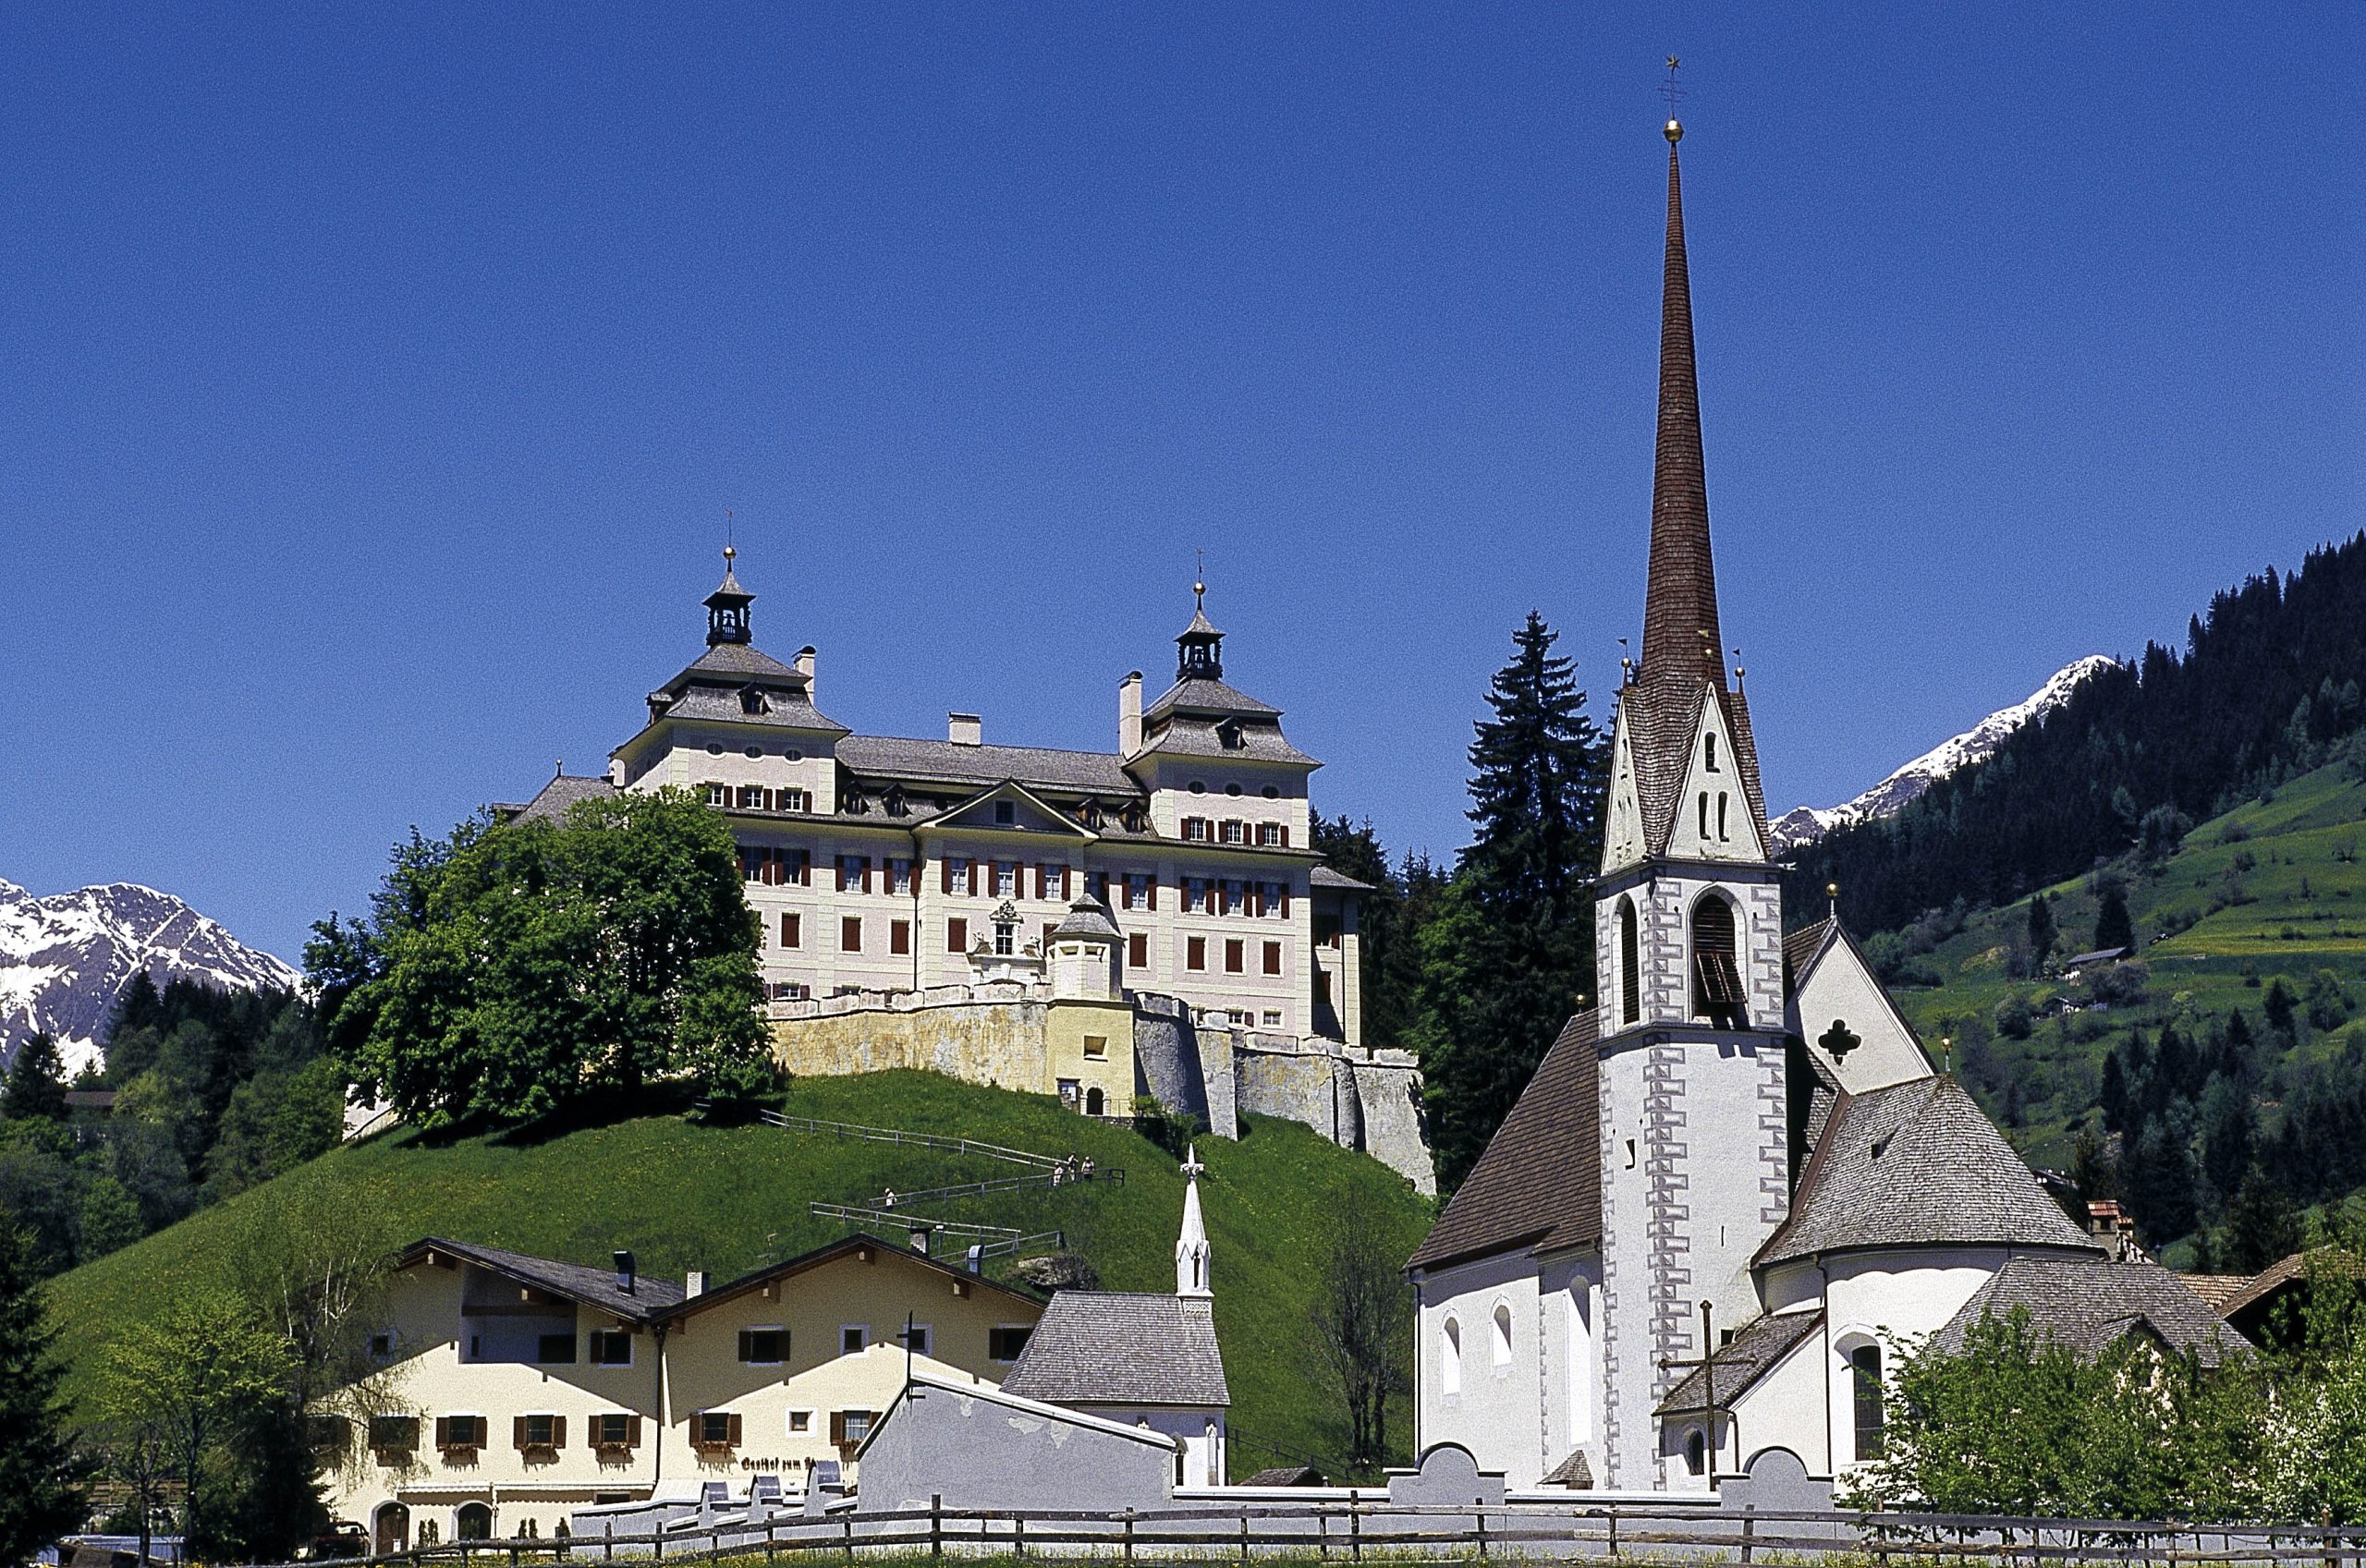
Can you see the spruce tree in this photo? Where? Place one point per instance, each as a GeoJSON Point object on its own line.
{"type": "Point", "coordinates": [2041, 933]}
{"type": "Point", "coordinates": [1512, 950]}
{"type": "Point", "coordinates": [42, 1490]}
{"type": "Point", "coordinates": [2113, 927]}
{"type": "Point", "coordinates": [36, 1082]}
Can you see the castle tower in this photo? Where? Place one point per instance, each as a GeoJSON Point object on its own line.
{"type": "Point", "coordinates": [1689, 934]}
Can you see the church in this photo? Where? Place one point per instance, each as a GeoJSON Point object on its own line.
{"type": "Point", "coordinates": [1736, 1190]}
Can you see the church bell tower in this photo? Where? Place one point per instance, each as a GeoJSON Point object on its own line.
{"type": "Point", "coordinates": [1689, 934]}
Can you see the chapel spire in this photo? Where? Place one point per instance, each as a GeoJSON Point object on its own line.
{"type": "Point", "coordinates": [1191, 1247]}
{"type": "Point", "coordinates": [1682, 644]}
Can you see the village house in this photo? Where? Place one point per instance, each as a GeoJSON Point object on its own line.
{"type": "Point", "coordinates": [521, 1389]}
{"type": "Point", "coordinates": [1734, 1191]}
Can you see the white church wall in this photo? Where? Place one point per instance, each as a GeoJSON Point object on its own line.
{"type": "Point", "coordinates": [1479, 1382]}
{"type": "Point", "coordinates": [1838, 986]}
{"type": "Point", "coordinates": [1570, 1371]}
{"type": "Point", "coordinates": [1894, 1298]}
{"type": "Point", "coordinates": [1783, 1409]}
{"type": "Point", "coordinates": [1201, 1430]}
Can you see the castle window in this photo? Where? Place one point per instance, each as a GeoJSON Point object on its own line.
{"type": "Point", "coordinates": [1195, 830]}
{"type": "Point", "coordinates": [899, 876]}
{"type": "Point", "coordinates": [1716, 980]}
{"type": "Point", "coordinates": [1277, 901]}
{"type": "Point", "coordinates": [792, 930]}
{"type": "Point", "coordinates": [1235, 957]}
{"type": "Point", "coordinates": [716, 793]}
{"type": "Point", "coordinates": [1228, 733]}
{"type": "Point", "coordinates": [1503, 1338]}
{"type": "Point", "coordinates": [899, 937]}
{"type": "Point", "coordinates": [1093, 1102]}
{"type": "Point", "coordinates": [1273, 835]}
{"type": "Point", "coordinates": [850, 934]}
{"type": "Point", "coordinates": [751, 797]}
{"type": "Point", "coordinates": [1630, 964]}
{"type": "Point", "coordinates": [1709, 751]}
{"type": "Point", "coordinates": [1696, 1451]}
{"type": "Point", "coordinates": [1137, 890]}
{"type": "Point", "coordinates": [1235, 896]}
{"type": "Point", "coordinates": [1137, 951]}
{"type": "Point", "coordinates": [1195, 953]}
{"type": "Point", "coordinates": [1005, 938]}
{"type": "Point", "coordinates": [795, 800]}
{"type": "Point", "coordinates": [1235, 832]}
{"type": "Point", "coordinates": [1271, 792]}
{"type": "Point", "coordinates": [956, 936]}
{"type": "Point", "coordinates": [1273, 958]}
{"type": "Point", "coordinates": [1006, 879]}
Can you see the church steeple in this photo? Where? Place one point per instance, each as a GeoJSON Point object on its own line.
{"type": "Point", "coordinates": [1199, 650]}
{"type": "Point", "coordinates": [1680, 633]}
{"type": "Point", "coordinates": [1191, 1249]}
{"type": "Point", "coordinates": [727, 607]}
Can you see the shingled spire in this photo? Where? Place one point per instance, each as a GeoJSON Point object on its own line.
{"type": "Point", "coordinates": [1680, 633]}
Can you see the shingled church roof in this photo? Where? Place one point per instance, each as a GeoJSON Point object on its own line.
{"type": "Point", "coordinates": [1539, 1184]}
{"type": "Point", "coordinates": [2088, 1304]}
{"type": "Point", "coordinates": [1117, 1347]}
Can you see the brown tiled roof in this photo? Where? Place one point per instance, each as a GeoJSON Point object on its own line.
{"type": "Point", "coordinates": [2088, 1304]}
{"type": "Point", "coordinates": [2286, 1271]}
{"type": "Point", "coordinates": [1915, 1164]}
{"type": "Point", "coordinates": [1540, 1182]}
{"type": "Point", "coordinates": [1739, 1364]}
{"type": "Point", "coordinates": [592, 1287]}
{"type": "Point", "coordinates": [1800, 947]}
{"type": "Point", "coordinates": [2215, 1290]}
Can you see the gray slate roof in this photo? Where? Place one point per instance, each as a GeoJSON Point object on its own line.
{"type": "Point", "coordinates": [1753, 1353]}
{"type": "Point", "coordinates": [946, 762]}
{"type": "Point", "coordinates": [2088, 1304]}
{"type": "Point", "coordinates": [1090, 918]}
{"type": "Point", "coordinates": [592, 1287]}
{"type": "Point", "coordinates": [1201, 695]}
{"type": "Point", "coordinates": [1913, 1164]}
{"type": "Point", "coordinates": [785, 709]}
{"type": "Point", "coordinates": [1190, 735]}
{"type": "Point", "coordinates": [1323, 876]}
{"type": "Point", "coordinates": [1539, 1184]}
{"type": "Point", "coordinates": [1114, 1347]}
{"type": "Point", "coordinates": [558, 794]}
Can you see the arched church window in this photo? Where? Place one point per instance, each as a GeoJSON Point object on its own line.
{"type": "Point", "coordinates": [1722, 835]}
{"type": "Point", "coordinates": [1865, 1379]}
{"type": "Point", "coordinates": [1696, 1451]}
{"type": "Point", "coordinates": [1717, 978]}
{"type": "Point", "coordinates": [1630, 964]}
{"type": "Point", "coordinates": [1450, 1358]}
{"type": "Point", "coordinates": [1709, 751]}
{"type": "Point", "coordinates": [1503, 1335]}
{"type": "Point", "coordinates": [1704, 814]}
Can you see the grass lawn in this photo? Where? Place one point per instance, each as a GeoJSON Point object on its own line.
{"type": "Point", "coordinates": [684, 1196]}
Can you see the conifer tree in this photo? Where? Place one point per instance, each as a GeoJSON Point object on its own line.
{"type": "Point", "coordinates": [2041, 933]}
{"type": "Point", "coordinates": [2112, 927]}
{"type": "Point", "coordinates": [1512, 949]}
{"type": "Point", "coordinates": [42, 1490]}
{"type": "Point", "coordinates": [36, 1082]}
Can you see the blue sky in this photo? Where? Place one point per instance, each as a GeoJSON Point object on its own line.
{"type": "Point", "coordinates": [376, 381]}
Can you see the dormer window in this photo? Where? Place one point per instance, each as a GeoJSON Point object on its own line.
{"type": "Point", "coordinates": [895, 804]}
{"type": "Point", "coordinates": [1006, 813]}
{"type": "Point", "coordinates": [1229, 736]}
{"type": "Point", "coordinates": [753, 700]}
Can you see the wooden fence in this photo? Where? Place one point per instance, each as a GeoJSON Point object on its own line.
{"type": "Point", "coordinates": [1343, 1530]}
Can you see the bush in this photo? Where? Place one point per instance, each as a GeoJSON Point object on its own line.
{"type": "Point", "coordinates": [2013, 1018]}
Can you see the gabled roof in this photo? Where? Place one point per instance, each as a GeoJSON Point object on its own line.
{"type": "Point", "coordinates": [559, 794]}
{"type": "Point", "coordinates": [2290, 1271]}
{"type": "Point", "coordinates": [650, 1297]}
{"type": "Point", "coordinates": [946, 762]}
{"type": "Point", "coordinates": [1662, 716]}
{"type": "Point", "coordinates": [1010, 787]}
{"type": "Point", "coordinates": [1117, 1347]}
{"type": "Point", "coordinates": [1917, 1164]}
{"type": "Point", "coordinates": [1742, 1361]}
{"type": "Point", "coordinates": [820, 1257]}
{"type": "Point", "coordinates": [1800, 947]}
{"type": "Point", "coordinates": [2089, 1304]}
{"type": "Point", "coordinates": [1539, 1184]}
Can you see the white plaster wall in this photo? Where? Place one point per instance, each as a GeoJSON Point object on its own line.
{"type": "Point", "coordinates": [1783, 1409]}
{"type": "Point", "coordinates": [1898, 1297]}
{"type": "Point", "coordinates": [1732, 832]}
{"type": "Point", "coordinates": [1839, 986]}
{"type": "Point", "coordinates": [1205, 1459]}
{"type": "Point", "coordinates": [1499, 1413]}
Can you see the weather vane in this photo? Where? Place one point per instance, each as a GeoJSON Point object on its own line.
{"type": "Point", "coordinates": [1668, 89]}
{"type": "Point", "coordinates": [1199, 574]}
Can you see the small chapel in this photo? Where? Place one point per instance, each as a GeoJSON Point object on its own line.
{"type": "Point", "coordinates": [1736, 1190]}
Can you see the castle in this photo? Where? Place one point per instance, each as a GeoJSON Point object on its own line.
{"type": "Point", "coordinates": [1151, 921]}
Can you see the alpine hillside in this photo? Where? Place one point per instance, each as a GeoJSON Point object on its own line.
{"type": "Point", "coordinates": [1804, 824]}
{"type": "Point", "coordinates": [64, 959]}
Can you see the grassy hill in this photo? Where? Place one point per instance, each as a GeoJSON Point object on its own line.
{"type": "Point", "coordinates": [2273, 888]}
{"type": "Point", "coordinates": [686, 1196]}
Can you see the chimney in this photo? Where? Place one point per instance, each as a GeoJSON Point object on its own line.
{"type": "Point", "coordinates": [624, 1272]}
{"type": "Point", "coordinates": [1129, 714]}
{"type": "Point", "coordinates": [965, 729]}
{"type": "Point", "coordinates": [805, 666]}
{"type": "Point", "coordinates": [695, 1285]}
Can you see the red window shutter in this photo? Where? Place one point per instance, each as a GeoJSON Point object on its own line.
{"type": "Point", "coordinates": [558, 1431]}
{"type": "Point", "coordinates": [1137, 950]}
{"type": "Point", "coordinates": [1273, 958]}
{"type": "Point", "coordinates": [734, 1437]}
{"type": "Point", "coordinates": [1152, 888]}
{"type": "Point", "coordinates": [839, 1428]}
{"type": "Point", "coordinates": [1043, 880]}
{"type": "Point", "coordinates": [1233, 956]}
{"type": "Point", "coordinates": [956, 936]}
{"type": "Point", "coordinates": [948, 868]}
{"type": "Point", "coordinates": [632, 1431]}
{"type": "Point", "coordinates": [1196, 953]}
{"type": "Point", "coordinates": [1286, 838]}
{"type": "Point", "coordinates": [899, 937]}
{"type": "Point", "coordinates": [517, 1429]}
{"type": "Point", "coordinates": [866, 873]}
{"type": "Point", "coordinates": [1286, 901]}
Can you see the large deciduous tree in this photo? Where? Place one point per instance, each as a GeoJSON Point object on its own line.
{"type": "Point", "coordinates": [1363, 1326]}
{"type": "Point", "coordinates": [1511, 948]}
{"type": "Point", "coordinates": [512, 968]}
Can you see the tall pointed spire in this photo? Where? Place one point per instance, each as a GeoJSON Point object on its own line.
{"type": "Point", "coordinates": [1681, 639]}
{"type": "Point", "coordinates": [1191, 1247]}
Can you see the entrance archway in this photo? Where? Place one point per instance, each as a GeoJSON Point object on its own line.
{"type": "Point", "coordinates": [391, 1532]}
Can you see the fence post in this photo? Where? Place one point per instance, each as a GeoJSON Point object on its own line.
{"type": "Point", "coordinates": [1749, 1526]}
{"type": "Point", "coordinates": [1321, 1533]}
{"type": "Point", "coordinates": [1129, 1534]}
{"type": "Point", "coordinates": [1019, 1534]}
{"type": "Point", "coordinates": [1356, 1528]}
{"type": "Point", "coordinates": [609, 1526]}
{"type": "Point", "coordinates": [1244, 1534]}
{"type": "Point", "coordinates": [1482, 1532]}
{"type": "Point", "coordinates": [937, 1524]}
{"type": "Point", "coordinates": [849, 1538]}
{"type": "Point", "coordinates": [769, 1526]}
{"type": "Point", "coordinates": [1610, 1515]}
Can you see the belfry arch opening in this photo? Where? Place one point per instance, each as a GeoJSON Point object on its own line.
{"type": "Point", "coordinates": [1716, 978]}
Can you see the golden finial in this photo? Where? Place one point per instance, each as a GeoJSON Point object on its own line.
{"type": "Point", "coordinates": [729, 555]}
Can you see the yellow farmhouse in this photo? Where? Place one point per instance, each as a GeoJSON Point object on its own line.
{"type": "Point", "coordinates": [521, 1389]}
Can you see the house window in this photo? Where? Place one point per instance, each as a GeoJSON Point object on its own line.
{"type": "Point", "coordinates": [1005, 1340]}
{"type": "Point", "coordinates": [751, 797]}
{"type": "Point", "coordinates": [1055, 881]}
{"type": "Point", "coordinates": [1696, 1450]}
{"type": "Point", "coordinates": [850, 934]}
{"type": "Point", "coordinates": [848, 1427]}
{"type": "Point", "coordinates": [796, 800]}
{"type": "Point", "coordinates": [1630, 964]}
{"type": "Point", "coordinates": [899, 876]}
{"type": "Point", "coordinates": [1275, 899]}
{"type": "Point", "coordinates": [1273, 958]}
{"type": "Point", "coordinates": [1005, 938]}
{"type": "Point", "coordinates": [956, 936]}
{"type": "Point", "coordinates": [555, 1349]}
{"type": "Point", "coordinates": [1006, 879]}
{"type": "Point", "coordinates": [1235, 895]}
{"type": "Point", "coordinates": [1709, 751]}
{"type": "Point", "coordinates": [800, 1421]}
{"type": "Point", "coordinates": [1502, 1337]}
{"type": "Point", "coordinates": [853, 1338]}
{"type": "Point", "coordinates": [611, 1347]}
{"type": "Point", "coordinates": [1195, 895]}
{"type": "Point", "coordinates": [614, 1429]}
{"type": "Point", "coordinates": [1865, 1377]}
{"type": "Point", "coordinates": [716, 1428]}
{"type": "Point", "coordinates": [1273, 835]}
{"type": "Point", "coordinates": [1234, 831]}
{"type": "Point", "coordinates": [1093, 1100]}
{"type": "Point", "coordinates": [542, 1431]}
{"type": "Point", "coordinates": [1137, 890]}
{"type": "Point", "coordinates": [1006, 813]}
{"type": "Point", "coordinates": [854, 873]}
{"type": "Point", "coordinates": [1195, 830]}
{"type": "Point", "coordinates": [957, 875]}
{"type": "Point", "coordinates": [1137, 950]}
{"type": "Point", "coordinates": [915, 1338]}
{"type": "Point", "coordinates": [473, 1523]}
{"type": "Point", "coordinates": [1236, 956]}
{"type": "Point", "coordinates": [1272, 1017]}
{"type": "Point", "coordinates": [899, 937]}
{"type": "Point", "coordinates": [394, 1434]}
{"type": "Point", "coordinates": [1450, 1358]}
{"type": "Point", "coordinates": [1722, 835]}
{"type": "Point", "coordinates": [460, 1432]}
{"type": "Point", "coordinates": [763, 1347]}
{"type": "Point", "coordinates": [1195, 953]}
{"type": "Point", "coordinates": [1096, 1048]}
{"type": "Point", "coordinates": [792, 930]}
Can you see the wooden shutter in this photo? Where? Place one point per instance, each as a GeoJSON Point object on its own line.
{"type": "Point", "coordinates": [746, 1345]}
{"type": "Point", "coordinates": [1286, 901]}
{"type": "Point", "coordinates": [946, 863]}
{"type": "Point", "coordinates": [866, 873]}
{"type": "Point", "coordinates": [517, 1429]}
{"type": "Point", "coordinates": [1042, 879]}
{"type": "Point", "coordinates": [443, 1431]}
{"type": "Point", "coordinates": [632, 1431]}
{"type": "Point", "coordinates": [558, 1431]}
{"type": "Point", "coordinates": [839, 1428]}
{"type": "Point", "coordinates": [1273, 958]}
{"type": "Point", "coordinates": [732, 1436]}
{"type": "Point", "coordinates": [1149, 886]}
{"type": "Point", "coordinates": [1285, 838]}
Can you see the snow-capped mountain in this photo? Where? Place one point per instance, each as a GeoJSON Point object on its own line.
{"type": "Point", "coordinates": [65, 958]}
{"type": "Point", "coordinates": [1804, 824]}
